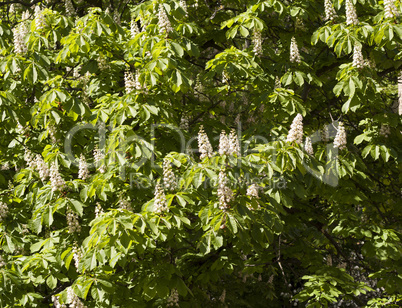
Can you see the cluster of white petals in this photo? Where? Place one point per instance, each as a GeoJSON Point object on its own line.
{"type": "Point", "coordinates": [340, 138]}
{"type": "Point", "coordinates": [29, 158]}
{"type": "Point", "coordinates": [40, 20]}
{"type": "Point", "coordinates": [163, 20]}
{"type": "Point", "coordinates": [252, 191]}
{"type": "Point", "coordinates": [308, 146]}
{"type": "Point", "coordinates": [204, 145]}
{"type": "Point", "coordinates": [296, 130]}
{"type": "Point", "coordinates": [299, 24]}
{"type": "Point", "coordinates": [358, 60]}
{"type": "Point", "coordinates": [77, 254]}
{"type": "Point", "coordinates": [257, 43]}
{"type": "Point", "coordinates": [52, 133]}
{"type": "Point", "coordinates": [124, 204]}
{"type": "Point", "coordinates": [70, 11]}
{"type": "Point", "coordinates": [19, 33]}
{"type": "Point", "coordinates": [223, 144]}
{"type": "Point", "coordinates": [183, 4]}
{"type": "Point", "coordinates": [184, 122]}
{"type": "Point", "coordinates": [99, 156]}
{"type": "Point", "coordinates": [129, 82]}
{"type": "Point", "coordinates": [330, 13]}
{"type": "Point", "coordinates": [56, 180]}
{"type": "Point", "coordinates": [324, 134]}
{"type": "Point", "coordinates": [169, 179]}
{"type": "Point", "coordinates": [98, 210]}
{"type": "Point", "coordinates": [294, 51]}
{"type": "Point", "coordinates": [83, 172]}
{"type": "Point", "coordinates": [3, 210]}
{"type": "Point", "coordinates": [225, 194]}
{"type": "Point", "coordinates": [351, 16]}
{"type": "Point", "coordinates": [385, 130]}
{"type": "Point", "coordinates": [73, 222]}
{"type": "Point", "coordinates": [160, 203]}
{"type": "Point", "coordinates": [173, 299]}
{"type": "Point", "coordinates": [390, 10]}
{"type": "Point", "coordinates": [42, 168]}
{"type": "Point", "coordinates": [234, 145]}
{"type": "Point", "coordinates": [73, 299]}
{"type": "Point", "coordinates": [134, 30]}
{"type": "Point", "coordinates": [56, 303]}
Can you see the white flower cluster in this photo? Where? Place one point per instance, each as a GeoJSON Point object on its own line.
{"type": "Point", "coordinates": [234, 145]}
{"type": "Point", "coordinates": [77, 254]}
{"type": "Point", "coordinates": [56, 303]}
{"type": "Point", "coordinates": [225, 194]}
{"type": "Point", "coordinates": [294, 51]}
{"type": "Point", "coordinates": [42, 168]}
{"type": "Point", "coordinates": [390, 10]}
{"type": "Point", "coordinates": [330, 13]}
{"type": "Point", "coordinates": [296, 130]}
{"type": "Point", "coordinates": [223, 144]}
{"type": "Point", "coordinates": [116, 17]}
{"type": "Point", "coordinates": [163, 20]}
{"type": "Point", "coordinates": [324, 134]}
{"type": "Point", "coordinates": [3, 210]}
{"type": "Point", "coordinates": [129, 82]}
{"type": "Point", "coordinates": [52, 133]}
{"type": "Point", "coordinates": [252, 191]}
{"type": "Point", "coordinates": [299, 24]}
{"type": "Point", "coordinates": [28, 157]}
{"type": "Point", "coordinates": [102, 63]}
{"type": "Point", "coordinates": [358, 60]}
{"type": "Point", "coordinates": [184, 122]}
{"type": "Point", "coordinates": [40, 21]}
{"type": "Point", "coordinates": [173, 300]}
{"type": "Point", "coordinates": [183, 4]}
{"type": "Point", "coordinates": [277, 83]}
{"type": "Point", "coordinates": [385, 131]}
{"type": "Point", "coordinates": [98, 158]}
{"type": "Point", "coordinates": [340, 138]}
{"type": "Point", "coordinates": [73, 299]}
{"type": "Point", "coordinates": [73, 222]}
{"type": "Point", "coordinates": [308, 146]}
{"type": "Point", "coordinates": [351, 16]}
{"type": "Point", "coordinates": [134, 30]}
{"type": "Point", "coordinates": [19, 34]}
{"type": "Point", "coordinates": [5, 166]}
{"type": "Point", "coordinates": [160, 203]}
{"type": "Point", "coordinates": [70, 11]}
{"type": "Point", "coordinates": [169, 179]}
{"type": "Point", "coordinates": [98, 210]}
{"type": "Point", "coordinates": [83, 172]}
{"type": "Point", "coordinates": [204, 145]}
{"type": "Point", "coordinates": [225, 77]}
{"type": "Point", "coordinates": [257, 43]}
{"type": "Point", "coordinates": [124, 204]}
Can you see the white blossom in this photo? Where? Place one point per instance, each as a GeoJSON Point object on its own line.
{"type": "Point", "coordinates": [56, 181]}
{"type": "Point", "coordinates": [252, 191]}
{"type": "Point", "coordinates": [83, 172]}
{"type": "Point", "coordinates": [324, 134]}
{"type": "Point", "coordinates": [160, 203]}
{"type": "Point", "coordinates": [163, 20]}
{"type": "Point", "coordinates": [5, 166]}
{"type": "Point", "coordinates": [184, 122]}
{"type": "Point", "coordinates": [183, 4]}
{"type": "Point", "coordinates": [129, 81]}
{"type": "Point", "coordinates": [73, 299]}
{"type": "Point", "coordinates": [98, 210]}
{"type": "Point", "coordinates": [42, 168]}
{"type": "Point", "coordinates": [134, 30]}
{"type": "Point", "coordinates": [70, 11]}
{"type": "Point", "coordinates": [102, 63]}
{"type": "Point", "coordinates": [277, 82]}
{"type": "Point", "coordinates": [234, 146]}
{"type": "Point", "coordinates": [169, 179]}
{"type": "Point", "coordinates": [385, 130]}
{"type": "Point", "coordinates": [330, 13]}
{"type": "Point", "coordinates": [29, 158]}
{"type": "Point", "coordinates": [56, 303]}
{"type": "Point", "coordinates": [299, 25]}
{"type": "Point", "coordinates": [3, 210]}
{"type": "Point", "coordinates": [225, 194]}
{"type": "Point", "coordinates": [358, 60]}
{"type": "Point", "coordinates": [351, 16]}
{"type": "Point", "coordinates": [52, 133]}
{"type": "Point", "coordinates": [124, 204]}
{"type": "Point", "coordinates": [308, 146]}
{"type": "Point", "coordinates": [77, 254]}
{"type": "Point", "coordinates": [72, 222]}
{"type": "Point", "coordinates": [204, 145]}
{"type": "Point", "coordinates": [40, 21]}
{"type": "Point", "coordinates": [98, 158]}
{"type": "Point", "coordinates": [294, 51]}
{"type": "Point", "coordinates": [340, 138]}
{"type": "Point", "coordinates": [225, 77]}
{"type": "Point", "coordinates": [116, 17]}
{"type": "Point", "coordinates": [257, 43]}
{"type": "Point", "coordinates": [173, 299]}
{"type": "Point", "coordinates": [390, 10]}
{"type": "Point", "coordinates": [223, 144]}
{"type": "Point", "coordinates": [296, 130]}
{"type": "Point", "coordinates": [19, 33]}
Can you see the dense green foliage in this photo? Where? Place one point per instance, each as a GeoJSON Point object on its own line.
{"type": "Point", "coordinates": [325, 229]}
